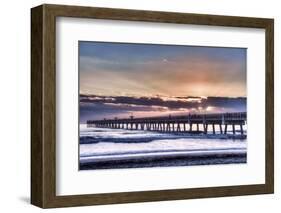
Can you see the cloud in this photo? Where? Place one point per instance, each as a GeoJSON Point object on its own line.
{"type": "Point", "coordinates": [115, 69]}
{"type": "Point", "coordinates": [99, 107]}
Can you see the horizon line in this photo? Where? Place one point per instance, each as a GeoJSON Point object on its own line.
{"type": "Point", "coordinates": [187, 96]}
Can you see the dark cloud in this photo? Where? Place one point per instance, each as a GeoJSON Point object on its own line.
{"type": "Point", "coordinates": [99, 107]}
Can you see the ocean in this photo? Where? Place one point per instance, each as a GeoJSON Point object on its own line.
{"type": "Point", "coordinates": [102, 148]}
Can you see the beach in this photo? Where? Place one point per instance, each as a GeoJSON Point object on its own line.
{"type": "Point", "coordinates": [102, 148]}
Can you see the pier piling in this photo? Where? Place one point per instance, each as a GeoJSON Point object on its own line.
{"type": "Point", "coordinates": [178, 123]}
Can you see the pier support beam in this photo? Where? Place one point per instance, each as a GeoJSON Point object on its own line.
{"type": "Point", "coordinates": [233, 129]}
{"type": "Point", "coordinates": [168, 127]}
{"type": "Point", "coordinates": [205, 128]}
{"type": "Point", "coordinates": [178, 127]}
{"type": "Point", "coordinates": [241, 129]}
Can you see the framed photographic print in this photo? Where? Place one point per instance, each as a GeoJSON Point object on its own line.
{"type": "Point", "coordinates": [137, 106]}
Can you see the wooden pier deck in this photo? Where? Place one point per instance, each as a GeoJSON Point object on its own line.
{"type": "Point", "coordinates": [179, 123]}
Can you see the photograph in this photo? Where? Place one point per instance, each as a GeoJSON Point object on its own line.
{"type": "Point", "coordinates": [147, 105]}
{"type": "Point", "coordinates": [139, 105]}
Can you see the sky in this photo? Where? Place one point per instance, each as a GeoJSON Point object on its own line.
{"type": "Point", "coordinates": [167, 70]}
{"type": "Point", "coordinates": [121, 79]}
{"type": "Point", "coordinates": [93, 107]}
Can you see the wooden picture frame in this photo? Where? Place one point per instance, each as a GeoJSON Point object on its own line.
{"type": "Point", "coordinates": [43, 105]}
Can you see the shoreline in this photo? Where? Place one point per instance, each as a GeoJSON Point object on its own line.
{"type": "Point", "coordinates": [165, 160]}
{"type": "Point", "coordinates": [167, 136]}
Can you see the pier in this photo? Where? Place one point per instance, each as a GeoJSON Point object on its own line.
{"type": "Point", "coordinates": [227, 123]}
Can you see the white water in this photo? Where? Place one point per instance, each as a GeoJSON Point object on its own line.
{"type": "Point", "coordinates": [160, 144]}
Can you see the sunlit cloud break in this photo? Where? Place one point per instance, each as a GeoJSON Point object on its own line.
{"type": "Point", "coordinates": [100, 107]}
{"type": "Point", "coordinates": [122, 80]}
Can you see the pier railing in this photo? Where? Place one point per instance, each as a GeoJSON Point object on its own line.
{"type": "Point", "coordinates": [182, 123]}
